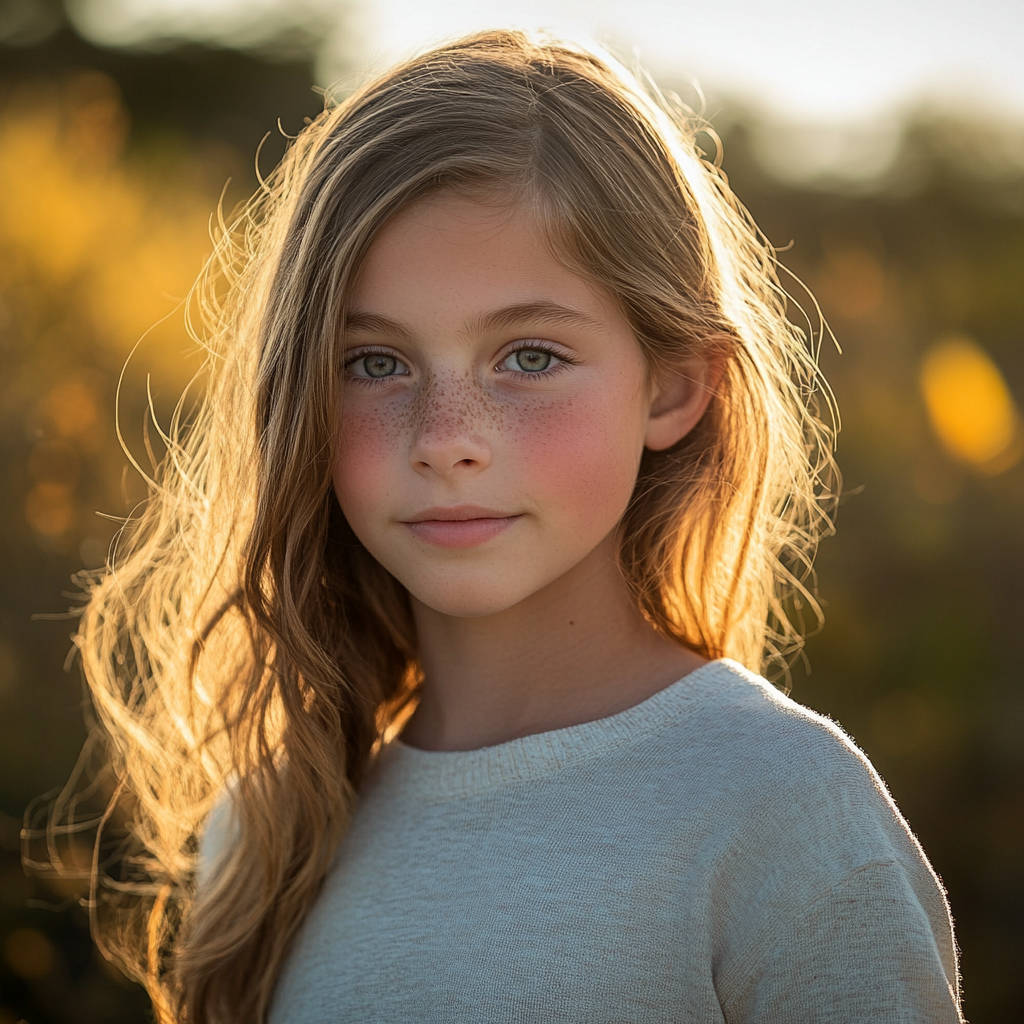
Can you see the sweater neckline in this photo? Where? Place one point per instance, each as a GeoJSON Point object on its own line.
{"type": "Point", "coordinates": [449, 774]}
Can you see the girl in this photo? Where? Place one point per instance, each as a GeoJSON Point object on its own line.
{"type": "Point", "coordinates": [442, 625]}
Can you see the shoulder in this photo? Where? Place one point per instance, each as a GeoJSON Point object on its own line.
{"type": "Point", "coordinates": [787, 778]}
{"type": "Point", "coordinates": [218, 839]}
{"type": "Point", "coordinates": [744, 702]}
{"type": "Point", "coordinates": [748, 727]}
{"type": "Point", "coordinates": [831, 902]}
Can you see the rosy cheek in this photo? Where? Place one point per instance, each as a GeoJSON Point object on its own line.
{"type": "Point", "coordinates": [578, 454]}
{"type": "Point", "coordinates": [364, 455]}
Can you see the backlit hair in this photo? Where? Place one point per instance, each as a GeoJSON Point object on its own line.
{"type": "Point", "coordinates": [244, 639]}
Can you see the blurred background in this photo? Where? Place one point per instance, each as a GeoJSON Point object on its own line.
{"type": "Point", "coordinates": [880, 144]}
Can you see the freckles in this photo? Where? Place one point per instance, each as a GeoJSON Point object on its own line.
{"type": "Point", "coordinates": [452, 407]}
{"type": "Point", "coordinates": [361, 428]}
{"type": "Point", "coordinates": [366, 438]}
{"type": "Point", "coordinates": [581, 454]}
{"type": "Point", "coordinates": [376, 432]}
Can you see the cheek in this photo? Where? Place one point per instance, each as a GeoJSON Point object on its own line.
{"type": "Point", "coordinates": [581, 456]}
{"type": "Point", "coordinates": [364, 459]}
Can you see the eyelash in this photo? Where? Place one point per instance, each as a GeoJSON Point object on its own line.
{"type": "Point", "coordinates": [536, 346]}
{"type": "Point", "coordinates": [371, 381]}
{"type": "Point", "coordinates": [525, 346]}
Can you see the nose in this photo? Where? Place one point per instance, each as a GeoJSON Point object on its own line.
{"type": "Point", "coordinates": [449, 437]}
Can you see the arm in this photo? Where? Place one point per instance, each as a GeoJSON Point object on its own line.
{"type": "Point", "coordinates": [867, 949]}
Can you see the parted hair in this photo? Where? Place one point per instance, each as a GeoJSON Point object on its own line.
{"type": "Point", "coordinates": [241, 639]}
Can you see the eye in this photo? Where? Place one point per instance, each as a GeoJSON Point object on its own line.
{"type": "Point", "coordinates": [529, 360]}
{"type": "Point", "coordinates": [379, 366]}
{"type": "Point", "coordinates": [376, 366]}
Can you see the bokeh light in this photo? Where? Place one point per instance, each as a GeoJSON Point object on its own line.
{"type": "Point", "coordinates": [80, 219]}
{"type": "Point", "coordinates": [30, 953]}
{"type": "Point", "coordinates": [969, 405]}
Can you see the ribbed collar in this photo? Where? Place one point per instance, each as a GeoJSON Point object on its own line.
{"type": "Point", "coordinates": [445, 775]}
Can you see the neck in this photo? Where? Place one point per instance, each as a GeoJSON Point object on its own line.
{"type": "Point", "coordinates": [576, 651]}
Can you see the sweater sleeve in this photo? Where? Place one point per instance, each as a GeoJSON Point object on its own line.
{"type": "Point", "coordinates": [865, 950]}
{"type": "Point", "coordinates": [827, 910]}
{"type": "Point", "coordinates": [220, 836]}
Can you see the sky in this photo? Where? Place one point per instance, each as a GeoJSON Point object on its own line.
{"type": "Point", "coordinates": [803, 60]}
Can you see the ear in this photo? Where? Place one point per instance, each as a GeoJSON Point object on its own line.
{"type": "Point", "coordinates": [680, 400]}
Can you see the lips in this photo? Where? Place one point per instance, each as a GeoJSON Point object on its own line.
{"type": "Point", "coordinates": [456, 514]}
{"type": "Point", "coordinates": [460, 526]}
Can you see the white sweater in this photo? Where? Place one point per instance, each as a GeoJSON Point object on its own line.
{"type": "Point", "coordinates": [716, 853]}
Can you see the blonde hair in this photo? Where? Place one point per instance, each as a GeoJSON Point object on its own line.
{"type": "Point", "coordinates": [243, 637]}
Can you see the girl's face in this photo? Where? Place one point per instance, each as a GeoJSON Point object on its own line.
{"type": "Point", "coordinates": [495, 408]}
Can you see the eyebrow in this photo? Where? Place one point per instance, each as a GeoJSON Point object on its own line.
{"type": "Point", "coordinates": [517, 315]}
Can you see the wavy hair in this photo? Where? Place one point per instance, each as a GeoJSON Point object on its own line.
{"type": "Point", "coordinates": [242, 637]}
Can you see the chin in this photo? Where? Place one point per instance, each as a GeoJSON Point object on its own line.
{"type": "Point", "coordinates": [468, 599]}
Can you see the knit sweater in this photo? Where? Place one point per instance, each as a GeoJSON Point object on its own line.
{"type": "Point", "coordinates": [716, 853]}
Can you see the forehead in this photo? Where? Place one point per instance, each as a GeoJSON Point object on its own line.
{"type": "Point", "coordinates": [450, 255]}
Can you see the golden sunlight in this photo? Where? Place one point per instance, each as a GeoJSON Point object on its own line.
{"type": "Point", "coordinates": [969, 405]}
{"type": "Point", "coordinates": [80, 219]}
{"type": "Point", "coordinates": [97, 250]}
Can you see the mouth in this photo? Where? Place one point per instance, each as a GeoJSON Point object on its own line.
{"type": "Point", "coordinates": [459, 526]}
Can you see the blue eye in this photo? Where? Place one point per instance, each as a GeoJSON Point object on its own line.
{"type": "Point", "coordinates": [528, 360]}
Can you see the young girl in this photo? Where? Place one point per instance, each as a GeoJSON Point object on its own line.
{"type": "Point", "coordinates": [431, 666]}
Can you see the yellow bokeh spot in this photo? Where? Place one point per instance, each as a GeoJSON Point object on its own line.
{"type": "Point", "coordinates": [72, 407]}
{"type": "Point", "coordinates": [969, 405]}
{"type": "Point", "coordinates": [29, 954]}
{"type": "Point", "coordinates": [122, 244]}
{"type": "Point", "coordinates": [49, 509]}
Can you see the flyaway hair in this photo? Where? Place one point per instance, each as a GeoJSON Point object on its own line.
{"type": "Point", "coordinates": [242, 639]}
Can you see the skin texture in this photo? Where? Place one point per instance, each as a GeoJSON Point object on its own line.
{"type": "Point", "coordinates": [496, 407]}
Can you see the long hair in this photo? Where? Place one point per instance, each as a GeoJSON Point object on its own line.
{"type": "Point", "coordinates": [243, 639]}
